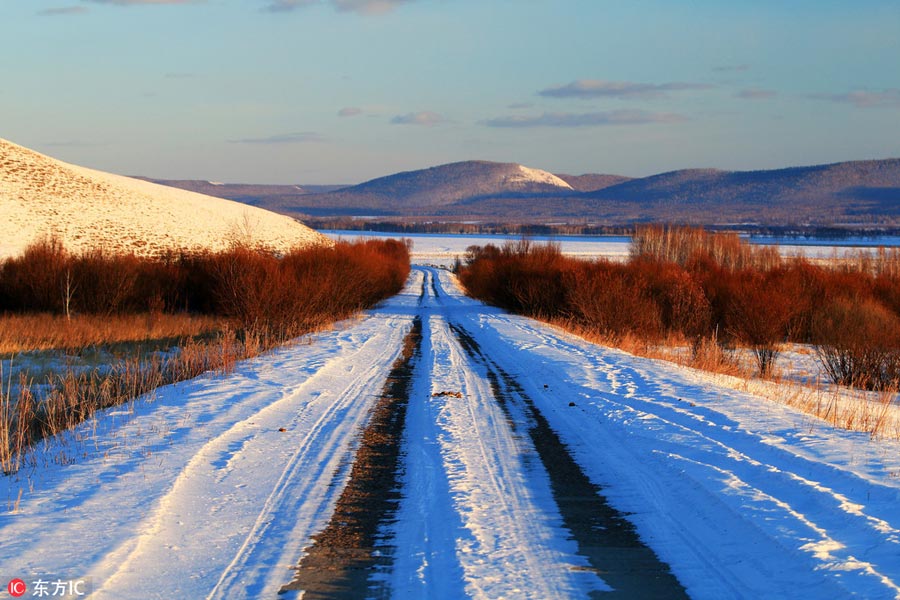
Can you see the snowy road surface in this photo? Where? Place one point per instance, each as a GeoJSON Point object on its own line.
{"type": "Point", "coordinates": [215, 488]}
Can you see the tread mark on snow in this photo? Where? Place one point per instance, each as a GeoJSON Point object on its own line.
{"type": "Point", "coordinates": [608, 541]}
{"type": "Point", "coordinates": [345, 554]}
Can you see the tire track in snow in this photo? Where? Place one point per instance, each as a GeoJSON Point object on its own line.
{"type": "Point", "coordinates": [510, 544]}
{"type": "Point", "coordinates": [753, 476]}
{"type": "Point", "coordinates": [272, 512]}
{"type": "Point", "coordinates": [541, 483]}
{"type": "Point", "coordinates": [843, 532]}
{"type": "Point", "coordinates": [604, 537]}
{"type": "Point", "coordinates": [345, 555]}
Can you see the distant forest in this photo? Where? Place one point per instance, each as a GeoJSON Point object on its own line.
{"type": "Point", "coordinates": [500, 228]}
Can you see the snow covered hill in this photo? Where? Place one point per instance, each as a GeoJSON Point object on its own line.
{"type": "Point", "coordinates": [42, 196]}
{"type": "Point", "coordinates": [440, 187]}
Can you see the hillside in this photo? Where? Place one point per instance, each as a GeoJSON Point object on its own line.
{"type": "Point", "coordinates": [433, 189]}
{"type": "Point", "coordinates": [858, 192]}
{"type": "Point", "coordinates": [40, 196]}
{"type": "Point", "coordinates": [842, 191]}
{"type": "Point", "coordinates": [255, 194]}
{"type": "Point", "coordinates": [591, 182]}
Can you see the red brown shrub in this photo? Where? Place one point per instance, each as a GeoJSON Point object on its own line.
{"type": "Point", "coordinates": [858, 343]}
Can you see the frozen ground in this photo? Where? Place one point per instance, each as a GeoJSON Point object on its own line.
{"type": "Point", "coordinates": [214, 489]}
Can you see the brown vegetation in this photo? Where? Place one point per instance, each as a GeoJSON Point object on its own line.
{"type": "Point", "coordinates": [713, 291]}
{"type": "Point", "coordinates": [246, 300]}
{"type": "Point", "coordinates": [45, 331]}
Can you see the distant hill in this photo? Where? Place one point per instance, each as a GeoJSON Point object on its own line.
{"type": "Point", "coordinates": [592, 182]}
{"type": "Point", "coordinates": [858, 192]}
{"type": "Point", "coordinates": [42, 196]}
{"type": "Point", "coordinates": [847, 190]}
{"type": "Point", "coordinates": [415, 192]}
{"type": "Point", "coordinates": [263, 195]}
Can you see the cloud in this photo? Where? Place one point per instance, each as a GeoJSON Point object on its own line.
{"type": "Point", "coordinates": [425, 117]}
{"type": "Point", "coordinates": [598, 88]}
{"type": "Point", "coordinates": [65, 10]}
{"type": "Point", "coordinates": [301, 137]}
{"type": "Point", "coordinates": [350, 111]}
{"type": "Point", "coordinates": [520, 105]}
{"type": "Point", "coordinates": [731, 68]}
{"type": "Point", "coordinates": [888, 98]}
{"type": "Point", "coordinates": [368, 7]}
{"type": "Point", "coordinates": [364, 7]}
{"type": "Point", "coordinates": [592, 119]}
{"type": "Point", "coordinates": [288, 5]}
{"type": "Point", "coordinates": [755, 94]}
{"type": "Point", "coordinates": [138, 2]}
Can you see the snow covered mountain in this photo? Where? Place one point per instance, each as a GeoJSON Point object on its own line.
{"type": "Point", "coordinates": [441, 186]}
{"type": "Point", "coordinates": [42, 196]}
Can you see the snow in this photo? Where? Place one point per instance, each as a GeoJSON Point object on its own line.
{"type": "Point", "coordinates": [441, 249]}
{"type": "Point", "coordinates": [40, 196]}
{"type": "Point", "coordinates": [526, 175]}
{"type": "Point", "coordinates": [198, 494]}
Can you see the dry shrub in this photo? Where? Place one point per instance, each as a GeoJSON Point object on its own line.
{"type": "Point", "coordinates": [612, 300]}
{"type": "Point", "coordinates": [858, 343]}
{"type": "Point", "coordinates": [277, 296]}
{"type": "Point", "coordinates": [36, 280]}
{"type": "Point", "coordinates": [709, 355]}
{"type": "Point", "coordinates": [758, 316]}
{"type": "Point", "coordinates": [682, 245]}
{"type": "Point", "coordinates": [521, 277]}
{"type": "Point", "coordinates": [270, 298]}
{"type": "Point", "coordinates": [680, 299]}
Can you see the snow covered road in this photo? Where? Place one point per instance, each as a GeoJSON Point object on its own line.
{"type": "Point", "coordinates": [520, 444]}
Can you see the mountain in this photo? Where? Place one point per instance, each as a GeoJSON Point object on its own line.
{"type": "Point", "coordinates": [847, 190]}
{"type": "Point", "coordinates": [432, 189]}
{"type": "Point", "coordinates": [858, 192]}
{"type": "Point", "coordinates": [262, 195]}
{"type": "Point", "coordinates": [592, 182]}
{"type": "Point", "coordinates": [42, 196]}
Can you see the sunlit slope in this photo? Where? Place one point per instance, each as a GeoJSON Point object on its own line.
{"type": "Point", "coordinates": [42, 196]}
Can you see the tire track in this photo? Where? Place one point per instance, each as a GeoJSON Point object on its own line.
{"type": "Point", "coordinates": [605, 538]}
{"type": "Point", "coordinates": [853, 532]}
{"type": "Point", "coordinates": [344, 556]}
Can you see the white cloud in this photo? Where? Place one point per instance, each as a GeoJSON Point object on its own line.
{"type": "Point", "coordinates": [365, 7]}
{"type": "Point", "coordinates": [598, 88]}
{"type": "Point", "coordinates": [64, 10]}
{"type": "Point", "coordinates": [425, 117]}
{"type": "Point", "coordinates": [888, 98]}
{"type": "Point", "coordinates": [592, 119]}
{"type": "Point", "coordinates": [138, 2]}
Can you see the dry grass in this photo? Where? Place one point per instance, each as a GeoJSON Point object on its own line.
{"type": "Point", "coordinates": [31, 410]}
{"type": "Point", "coordinates": [875, 413]}
{"type": "Point", "coordinates": [251, 302]}
{"type": "Point", "coordinates": [44, 331]}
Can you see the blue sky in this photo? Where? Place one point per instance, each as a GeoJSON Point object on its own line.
{"type": "Point", "coordinates": [340, 91]}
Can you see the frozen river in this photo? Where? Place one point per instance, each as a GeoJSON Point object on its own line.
{"type": "Point", "coordinates": [441, 249]}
